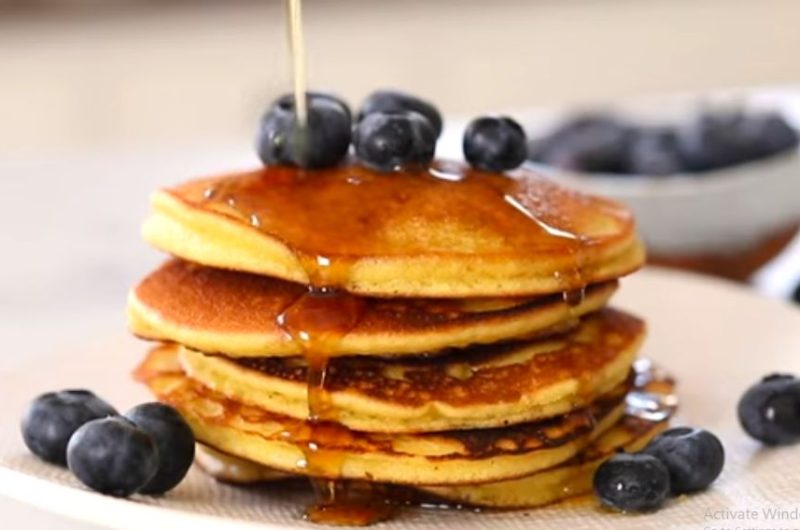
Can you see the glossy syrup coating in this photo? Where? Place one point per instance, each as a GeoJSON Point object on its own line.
{"type": "Point", "coordinates": [444, 231]}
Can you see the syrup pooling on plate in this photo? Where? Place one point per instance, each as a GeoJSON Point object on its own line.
{"type": "Point", "coordinates": [653, 397]}
{"type": "Point", "coordinates": [357, 504]}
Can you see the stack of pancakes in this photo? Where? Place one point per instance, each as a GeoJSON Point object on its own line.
{"type": "Point", "coordinates": [443, 329]}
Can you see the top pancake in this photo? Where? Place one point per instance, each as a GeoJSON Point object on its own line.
{"type": "Point", "coordinates": [446, 231]}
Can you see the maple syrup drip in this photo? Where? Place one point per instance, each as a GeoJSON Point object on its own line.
{"type": "Point", "coordinates": [575, 297]}
{"type": "Point", "coordinates": [317, 321]}
{"type": "Point", "coordinates": [339, 215]}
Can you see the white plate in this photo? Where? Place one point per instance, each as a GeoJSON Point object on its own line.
{"type": "Point", "coordinates": [716, 337]}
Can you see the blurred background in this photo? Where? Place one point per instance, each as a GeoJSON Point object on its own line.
{"type": "Point", "coordinates": [82, 75]}
{"type": "Point", "coordinates": [101, 101]}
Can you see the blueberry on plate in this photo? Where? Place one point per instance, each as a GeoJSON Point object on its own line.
{"type": "Point", "coordinates": [52, 418]}
{"type": "Point", "coordinates": [770, 410]}
{"type": "Point", "coordinates": [322, 142]}
{"type": "Point", "coordinates": [388, 141]}
{"type": "Point", "coordinates": [396, 101]}
{"type": "Point", "coordinates": [112, 456]}
{"type": "Point", "coordinates": [495, 144]}
{"type": "Point", "coordinates": [694, 457]}
{"type": "Point", "coordinates": [796, 294]}
{"type": "Point", "coordinates": [174, 440]}
{"type": "Point", "coordinates": [632, 482]}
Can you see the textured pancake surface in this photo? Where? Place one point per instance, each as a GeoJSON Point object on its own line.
{"type": "Point", "coordinates": [447, 231]}
{"type": "Point", "coordinates": [453, 457]}
{"type": "Point", "coordinates": [651, 405]}
{"type": "Point", "coordinates": [486, 386]}
{"type": "Point", "coordinates": [570, 479]}
{"type": "Point", "coordinates": [235, 313]}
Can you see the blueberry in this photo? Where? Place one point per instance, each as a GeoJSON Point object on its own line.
{"type": "Point", "coordinates": [632, 482]}
{"type": "Point", "coordinates": [52, 418]}
{"type": "Point", "coordinates": [174, 440]}
{"type": "Point", "coordinates": [770, 410]}
{"type": "Point", "coordinates": [395, 101]}
{"type": "Point", "coordinates": [323, 142]}
{"type": "Point", "coordinates": [112, 456]}
{"type": "Point", "coordinates": [694, 457]}
{"type": "Point", "coordinates": [796, 294]}
{"type": "Point", "coordinates": [767, 134]}
{"type": "Point", "coordinates": [387, 141]}
{"type": "Point", "coordinates": [719, 139]}
{"type": "Point", "coordinates": [712, 141]}
{"type": "Point", "coordinates": [654, 152]}
{"type": "Point", "coordinates": [495, 144]}
{"type": "Point", "coordinates": [591, 142]}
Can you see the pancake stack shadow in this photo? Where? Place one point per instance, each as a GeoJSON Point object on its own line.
{"type": "Point", "coordinates": [384, 334]}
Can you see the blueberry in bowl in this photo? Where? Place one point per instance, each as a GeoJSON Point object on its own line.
{"type": "Point", "coordinates": [601, 142]}
{"type": "Point", "coordinates": [591, 142]}
{"type": "Point", "coordinates": [714, 186]}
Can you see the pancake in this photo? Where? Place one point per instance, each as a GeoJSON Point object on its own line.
{"type": "Point", "coordinates": [332, 451]}
{"type": "Point", "coordinates": [574, 477]}
{"type": "Point", "coordinates": [447, 231]}
{"type": "Point", "coordinates": [480, 387]}
{"type": "Point", "coordinates": [235, 313]}
{"type": "Point", "coordinates": [570, 479]}
{"type": "Point", "coordinates": [649, 409]}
